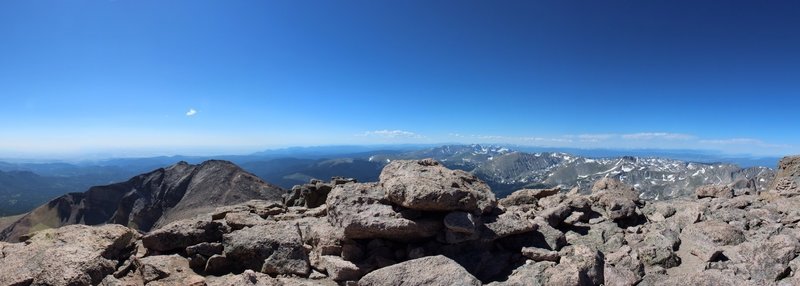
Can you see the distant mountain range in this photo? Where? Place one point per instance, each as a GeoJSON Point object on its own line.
{"type": "Point", "coordinates": [657, 174]}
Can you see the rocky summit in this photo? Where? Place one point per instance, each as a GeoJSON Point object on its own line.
{"type": "Point", "coordinates": [150, 200]}
{"type": "Point", "coordinates": [420, 224]}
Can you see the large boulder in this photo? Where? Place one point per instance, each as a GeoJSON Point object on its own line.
{"type": "Point", "coordinates": [361, 211]}
{"type": "Point", "coordinates": [714, 191]}
{"type": "Point", "coordinates": [765, 261]}
{"type": "Point", "coordinates": [274, 249]}
{"type": "Point", "coordinates": [428, 186]}
{"type": "Point", "coordinates": [618, 199]}
{"type": "Point", "coordinates": [579, 265]}
{"type": "Point", "coordinates": [71, 255]}
{"type": "Point", "coordinates": [500, 225]}
{"type": "Point", "coordinates": [527, 196]}
{"type": "Point", "coordinates": [658, 249]}
{"type": "Point", "coordinates": [787, 180]}
{"type": "Point", "coordinates": [183, 233]}
{"type": "Point", "coordinates": [431, 270]}
{"type": "Point", "coordinates": [713, 231]}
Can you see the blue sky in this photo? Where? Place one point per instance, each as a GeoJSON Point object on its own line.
{"type": "Point", "coordinates": [120, 77]}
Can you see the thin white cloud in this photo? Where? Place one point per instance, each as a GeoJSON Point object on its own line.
{"type": "Point", "coordinates": [191, 112]}
{"type": "Point", "coordinates": [657, 135]}
{"type": "Point", "coordinates": [544, 139]}
{"type": "Point", "coordinates": [391, 134]}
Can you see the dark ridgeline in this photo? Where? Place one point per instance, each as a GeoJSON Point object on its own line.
{"type": "Point", "coordinates": [150, 200]}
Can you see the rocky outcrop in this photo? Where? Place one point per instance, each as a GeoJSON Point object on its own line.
{"type": "Point", "coordinates": [361, 236]}
{"type": "Point", "coordinates": [432, 270]}
{"type": "Point", "coordinates": [314, 193]}
{"type": "Point", "coordinates": [714, 191]}
{"type": "Point", "coordinates": [426, 185]}
{"type": "Point", "coordinates": [619, 200]}
{"type": "Point", "coordinates": [362, 211]}
{"type": "Point", "coordinates": [151, 200]}
{"type": "Point", "coordinates": [71, 255]}
{"type": "Point", "coordinates": [787, 179]}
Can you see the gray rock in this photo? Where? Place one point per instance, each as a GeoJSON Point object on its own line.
{"type": "Point", "coordinates": [714, 191]}
{"type": "Point", "coordinates": [183, 233]}
{"type": "Point", "coordinates": [527, 196]}
{"type": "Point", "coordinates": [322, 236]}
{"type": "Point", "coordinates": [428, 186]}
{"type": "Point", "coordinates": [339, 269]}
{"type": "Point", "coordinates": [703, 278]}
{"type": "Point", "coordinates": [714, 232]}
{"type": "Point", "coordinates": [588, 263]}
{"type": "Point", "coordinates": [206, 249]}
{"type": "Point", "coordinates": [766, 261]}
{"type": "Point", "coordinates": [247, 278]}
{"type": "Point", "coordinates": [787, 180]}
{"type": "Point", "coordinates": [496, 226]}
{"type": "Point", "coordinates": [168, 270]}
{"type": "Point", "coordinates": [531, 274]}
{"type": "Point", "coordinates": [71, 255]}
{"type": "Point", "coordinates": [273, 249]}
{"type": "Point", "coordinates": [240, 220]}
{"type": "Point", "coordinates": [432, 270]}
{"type": "Point", "coordinates": [553, 238]}
{"type": "Point", "coordinates": [217, 264]}
{"type": "Point", "coordinates": [359, 209]}
{"type": "Point", "coordinates": [617, 276]}
{"type": "Point", "coordinates": [554, 216]}
{"type": "Point", "coordinates": [618, 199]}
{"type": "Point", "coordinates": [539, 254]}
{"type": "Point", "coordinates": [460, 222]}
{"type": "Point", "coordinates": [658, 249]}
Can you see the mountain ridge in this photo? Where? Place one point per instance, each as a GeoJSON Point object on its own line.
{"type": "Point", "coordinates": [150, 200]}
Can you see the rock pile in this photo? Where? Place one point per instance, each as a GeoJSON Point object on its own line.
{"type": "Point", "coordinates": [424, 224]}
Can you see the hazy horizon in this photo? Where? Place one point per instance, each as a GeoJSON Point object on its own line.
{"type": "Point", "coordinates": [146, 78]}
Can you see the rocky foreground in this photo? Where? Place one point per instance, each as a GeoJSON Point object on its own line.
{"type": "Point", "coordinates": [423, 224]}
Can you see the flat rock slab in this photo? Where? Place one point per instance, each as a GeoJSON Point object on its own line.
{"type": "Point", "coordinates": [428, 186]}
{"type": "Point", "coordinates": [432, 270]}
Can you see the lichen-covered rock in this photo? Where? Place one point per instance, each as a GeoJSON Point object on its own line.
{"type": "Point", "coordinates": [361, 211]}
{"type": "Point", "coordinates": [496, 226]}
{"type": "Point", "coordinates": [272, 248]}
{"type": "Point", "coordinates": [715, 232]}
{"type": "Point", "coordinates": [168, 270]}
{"type": "Point", "coordinates": [431, 270]}
{"type": "Point", "coordinates": [527, 196]}
{"type": "Point", "coordinates": [618, 199]}
{"type": "Point", "coordinates": [71, 255]}
{"type": "Point", "coordinates": [658, 249]}
{"type": "Point", "coordinates": [530, 274]}
{"type": "Point", "coordinates": [183, 233]}
{"type": "Point", "coordinates": [247, 278]}
{"type": "Point", "coordinates": [540, 254]}
{"type": "Point", "coordinates": [588, 262]}
{"type": "Point", "coordinates": [339, 269]}
{"type": "Point", "coordinates": [714, 191]}
{"type": "Point", "coordinates": [428, 186]}
{"type": "Point", "coordinates": [787, 180]}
